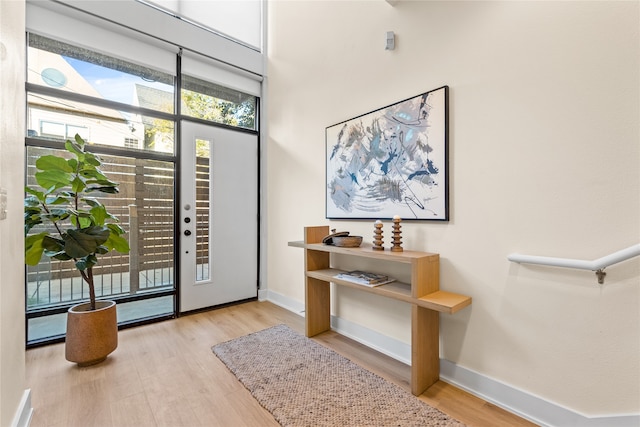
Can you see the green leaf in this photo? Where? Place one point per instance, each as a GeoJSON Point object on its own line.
{"type": "Point", "coordinates": [112, 218]}
{"type": "Point", "coordinates": [86, 262]}
{"type": "Point", "coordinates": [115, 228]}
{"type": "Point", "coordinates": [92, 159]}
{"type": "Point", "coordinates": [79, 140]}
{"type": "Point", "coordinates": [73, 163]}
{"type": "Point", "coordinates": [99, 214]}
{"type": "Point", "coordinates": [118, 243]}
{"type": "Point", "coordinates": [75, 149]}
{"type": "Point", "coordinates": [60, 255]}
{"type": "Point", "coordinates": [32, 210]}
{"type": "Point", "coordinates": [86, 222]}
{"type": "Point", "coordinates": [104, 182]}
{"type": "Point", "coordinates": [53, 179]}
{"type": "Point", "coordinates": [78, 185]}
{"type": "Point", "coordinates": [81, 264]}
{"type": "Point", "coordinates": [54, 248]}
{"type": "Point", "coordinates": [38, 194]}
{"type": "Point", "coordinates": [57, 200]}
{"type": "Point", "coordinates": [57, 214]}
{"type": "Point", "coordinates": [51, 162]}
{"type": "Point", "coordinates": [110, 190]}
{"type": "Point", "coordinates": [102, 249]}
{"type": "Point", "coordinates": [31, 201]}
{"type": "Point", "coordinates": [52, 244]}
{"type": "Point", "coordinates": [92, 202]}
{"type": "Point", "coordinates": [81, 219]}
{"type": "Point", "coordinates": [33, 248]}
{"type": "Point", "coordinates": [97, 175]}
{"type": "Point", "coordinates": [32, 217]}
{"type": "Point", "coordinates": [30, 225]}
{"type": "Point", "coordinates": [83, 242]}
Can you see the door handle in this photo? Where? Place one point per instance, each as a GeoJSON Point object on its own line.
{"type": "Point", "coordinates": [187, 232]}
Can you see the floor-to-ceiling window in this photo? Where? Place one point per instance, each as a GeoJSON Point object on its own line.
{"type": "Point", "coordinates": [126, 113]}
{"type": "Point", "coordinates": [129, 115]}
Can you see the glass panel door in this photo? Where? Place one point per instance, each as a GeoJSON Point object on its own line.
{"type": "Point", "coordinates": [218, 216]}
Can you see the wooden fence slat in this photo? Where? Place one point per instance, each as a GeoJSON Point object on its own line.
{"type": "Point", "coordinates": [149, 186]}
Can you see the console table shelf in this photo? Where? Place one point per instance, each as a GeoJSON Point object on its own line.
{"type": "Point", "coordinates": [423, 293]}
{"type": "Point", "coordinates": [444, 302]}
{"type": "Point", "coordinates": [365, 250]}
{"type": "Point", "coordinates": [396, 290]}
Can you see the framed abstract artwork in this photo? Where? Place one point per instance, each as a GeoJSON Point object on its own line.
{"type": "Point", "coordinates": [392, 161]}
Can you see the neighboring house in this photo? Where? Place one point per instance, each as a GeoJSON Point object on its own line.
{"type": "Point", "coordinates": [50, 117]}
{"type": "Point", "coordinates": [155, 136]}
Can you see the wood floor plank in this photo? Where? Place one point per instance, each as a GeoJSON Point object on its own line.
{"type": "Point", "coordinates": [131, 411]}
{"type": "Point", "coordinates": [165, 374]}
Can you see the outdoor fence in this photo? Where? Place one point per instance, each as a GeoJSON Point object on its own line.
{"type": "Point", "coordinates": [145, 207]}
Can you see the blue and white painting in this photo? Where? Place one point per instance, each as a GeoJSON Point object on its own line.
{"type": "Point", "coordinates": [392, 161]}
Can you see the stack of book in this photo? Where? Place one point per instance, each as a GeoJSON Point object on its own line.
{"type": "Point", "coordinates": [365, 278]}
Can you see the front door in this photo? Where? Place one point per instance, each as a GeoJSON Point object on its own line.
{"type": "Point", "coordinates": [218, 216]}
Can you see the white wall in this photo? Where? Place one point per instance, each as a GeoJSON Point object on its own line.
{"type": "Point", "coordinates": [544, 160]}
{"type": "Point", "coordinates": [238, 19]}
{"type": "Point", "coordinates": [12, 101]}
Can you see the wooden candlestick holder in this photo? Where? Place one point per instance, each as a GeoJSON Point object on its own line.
{"type": "Point", "coordinates": [397, 236]}
{"type": "Point", "coordinates": [377, 236]}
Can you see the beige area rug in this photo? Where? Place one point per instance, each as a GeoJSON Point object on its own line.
{"type": "Point", "coordinates": [303, 383]}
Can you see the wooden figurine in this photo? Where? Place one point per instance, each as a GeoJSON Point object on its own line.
{"type": "Point", "coordinates": [397, 235]}
{"type": "Point", "coordinates": [377, 236]}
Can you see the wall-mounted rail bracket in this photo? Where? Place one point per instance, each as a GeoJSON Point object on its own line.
{"type": "Point", "coordinates": [600, 273]}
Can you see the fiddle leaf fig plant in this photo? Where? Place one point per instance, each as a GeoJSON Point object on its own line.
{"type": "Point", "coordinates": [76, 226]}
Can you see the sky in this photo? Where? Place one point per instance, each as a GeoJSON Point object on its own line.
{"type": "Point", "coordinates": [112, 84]}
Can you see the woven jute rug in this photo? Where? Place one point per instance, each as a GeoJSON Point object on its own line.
{"type": "Point", "coordinates": [302, 383]}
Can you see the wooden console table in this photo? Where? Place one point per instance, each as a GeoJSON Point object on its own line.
{"type": "Point", "coordinates": [423, 293]}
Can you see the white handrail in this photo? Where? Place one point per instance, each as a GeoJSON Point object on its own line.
{"type": "Point", "coordinates": [595, 265]}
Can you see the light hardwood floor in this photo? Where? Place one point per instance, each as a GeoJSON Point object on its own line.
{"type": "Point", "coordinates": [165, 374]}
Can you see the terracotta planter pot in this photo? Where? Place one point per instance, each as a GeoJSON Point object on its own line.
{"type": "Point", "coordinates": [91, 334]}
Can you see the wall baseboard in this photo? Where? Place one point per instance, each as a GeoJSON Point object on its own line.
{"type": "Point", "coordinates": [386, 345]}
{"type": "Point", "coordinates": [285, 302]}
{"type": "Point", "coordinates": [24, 412]}
{"type": "Point", "coordinates": [526, 405]}
{"type": "Point", "coordinates": [519, 402]}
